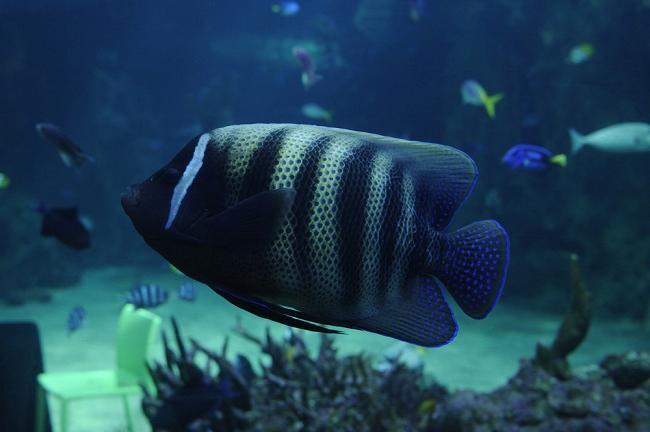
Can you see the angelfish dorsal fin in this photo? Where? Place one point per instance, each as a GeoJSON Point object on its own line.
{"type": "Point", "coordinates": [447, 175]}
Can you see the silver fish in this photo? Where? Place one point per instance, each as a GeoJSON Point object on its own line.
{"type": "Point", "coordinates": [618, 138]}
{"type": "Point", "coordinates": [313, 226]}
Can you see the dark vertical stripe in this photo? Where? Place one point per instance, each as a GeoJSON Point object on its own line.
{"type": "Point", "coordinates": [390, 218]}
{"type": "Point", "coordinates": [417, 260]}
{"type": "Point", "coordinates": [257, 177]}
{"type": "Point", "coordinates": [305, 185]}
{"type": "Point", "coordinates": [351, 199]}
{"type": "Point", "coordinates": [212, 179]}
{"type": "Point", "coordinates": [406, 209]}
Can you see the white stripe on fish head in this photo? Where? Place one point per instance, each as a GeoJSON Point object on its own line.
{"type": "Point", "coordinates": [191, 170]}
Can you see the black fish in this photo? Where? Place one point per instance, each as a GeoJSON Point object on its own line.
{"type": "Point", "coordinates": [343, 227]}
{"type": "Point", "coordinates": [147, 296]}
{"type": "Point", "coordinates": [70, 153]}
{"type": "Point", "coordinates": [64, 224]}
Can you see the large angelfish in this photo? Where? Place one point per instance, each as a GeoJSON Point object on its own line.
{"type": "Point", "coordinates": [313, 226]}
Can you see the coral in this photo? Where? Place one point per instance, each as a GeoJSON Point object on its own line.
{"type": "Point", "coordinates": [296, 391]}
{"type": "Point", "coordinates": [535, 400]}
{"type": "Point", "coordinates": [629, 370]}
{"type": "Point", "coordinates": [190, 398]}
{"type": "Point", "coordinates": [321, 392]}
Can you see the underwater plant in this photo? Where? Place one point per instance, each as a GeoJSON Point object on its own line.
{"type": "Point", "coordinates": [296, 391]}
{"type": "Point", "coordinates": [191, 398]}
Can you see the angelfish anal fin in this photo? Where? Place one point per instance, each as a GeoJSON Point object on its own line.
{"type": "Point", "coordinates": [423, 318]}
{"type": "Point", "coordinates": [263, 310]}
{"type": "Point", "coordinates": [250, 224]}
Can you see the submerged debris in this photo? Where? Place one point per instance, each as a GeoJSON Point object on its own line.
{"type": "Point", "coordinates": [573, 329]}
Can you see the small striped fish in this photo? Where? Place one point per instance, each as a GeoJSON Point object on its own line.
{"type": "Point", "coordinates": [76, 317]}
{"type": "Point", "coordinates": [313, 226]}
{"type": "Point", "coordinates": [147, 296]}
{"type": "Point", "coordinates": [187, 291]}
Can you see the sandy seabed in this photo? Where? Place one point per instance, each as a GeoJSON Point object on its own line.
{"type": "Point", "coordinates": [483, 356]}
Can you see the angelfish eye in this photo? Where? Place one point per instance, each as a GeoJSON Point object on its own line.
{"type": "Point", "coordinates": [170, 175]}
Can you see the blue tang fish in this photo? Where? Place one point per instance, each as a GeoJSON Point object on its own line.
{"type": "Point", "coordinates": [187, 291]}
{"type": "Point", "coordinates": [529, 157]}
{"type": "Point", "coordinates": [76, 318]}
{"type": "Point", "coordinates": [313, 227]}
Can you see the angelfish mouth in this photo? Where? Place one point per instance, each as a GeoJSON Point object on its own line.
{"type": "Point", "coordinates": [130, 198]}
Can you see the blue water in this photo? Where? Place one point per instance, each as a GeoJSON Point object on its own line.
{"type": "Point", "coordinates": [132, 82]}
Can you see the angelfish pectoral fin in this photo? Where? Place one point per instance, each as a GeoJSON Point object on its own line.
{"type": "Point", "coordinates": [271, 312]}
{"type": "Point", "coordinates": [249, 224]}
{"type": "Point", "coordinates": [424, 318]}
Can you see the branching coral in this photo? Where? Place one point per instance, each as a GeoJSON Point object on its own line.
{"type": "Point", "coordinates": [296, 390]}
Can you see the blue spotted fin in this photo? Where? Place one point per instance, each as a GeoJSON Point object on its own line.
{"type": "Point", "coordinates": [423, 319]}
{"type": "Point", "coordinates": [445, 175]}
{"type": "Point", "coordinates": [472, 266]}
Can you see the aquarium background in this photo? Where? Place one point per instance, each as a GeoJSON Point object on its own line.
{"type": "Point", "coordinates": [132, 82]}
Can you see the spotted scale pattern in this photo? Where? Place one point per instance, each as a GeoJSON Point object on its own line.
{"type": "Point", "coordinates": [379, 178]}
{"type": "Point", "coordinates": [405, 232]}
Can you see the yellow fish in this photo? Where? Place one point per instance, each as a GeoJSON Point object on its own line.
{"type": "Point", "coordinates": [473, 93]}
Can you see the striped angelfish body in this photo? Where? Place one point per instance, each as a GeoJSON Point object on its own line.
{"type": "Point", "coordinates": [308, 225]}
{"type": "Point", "coordinates": [349, 242]}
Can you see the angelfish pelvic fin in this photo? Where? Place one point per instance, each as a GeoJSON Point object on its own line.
{"type": "Point", "coordinates": [250, 224]}
{"type": "Point", "coordinates": [268, 311]}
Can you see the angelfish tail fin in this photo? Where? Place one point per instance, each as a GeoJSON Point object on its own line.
{"type": "Point", "coordinates": [472, 265]}
{"type": "Point", "coordinates": [577, 141]}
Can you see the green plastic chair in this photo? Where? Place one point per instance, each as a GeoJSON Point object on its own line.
{"type": "Point", "coordinates": [137, 329]}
